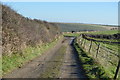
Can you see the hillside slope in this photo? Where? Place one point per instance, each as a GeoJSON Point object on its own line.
{"type": "Point", "coordinates": [68, 27]}
{"type": "Point", "coordinates": [19, 32]}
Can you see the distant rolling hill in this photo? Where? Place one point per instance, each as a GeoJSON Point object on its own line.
{"type": "Point", "coordinates": [68, 27]}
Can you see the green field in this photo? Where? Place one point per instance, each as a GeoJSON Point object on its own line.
{"type": "Point", "coordinates": [68, 27]}
{"type": "Point", "coordinates": [109, 32]}
{"type": "Point", "coordinates": [114, 47]}
{"type": "Point", "coordinates": [71, 34]}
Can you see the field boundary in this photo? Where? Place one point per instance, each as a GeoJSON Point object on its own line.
{"type": "Point", "coordinates": [108, 42]}
{"type": "Point", "coordinates": [101, 51]}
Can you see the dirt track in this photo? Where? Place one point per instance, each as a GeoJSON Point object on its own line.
{"type": "Point", "coordinates": [59, 62]}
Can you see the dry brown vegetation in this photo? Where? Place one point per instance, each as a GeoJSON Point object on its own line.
{"type": "Point", "coordinates": [18, 32]}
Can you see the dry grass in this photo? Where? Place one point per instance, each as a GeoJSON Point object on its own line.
{"type": "Point", "coordinates": [18, 32]}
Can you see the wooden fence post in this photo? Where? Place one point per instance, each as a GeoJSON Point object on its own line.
{"type": "Point", "coordinates": [84, 44]}
{"type": "Point", "coordinates": [90, 46]}
{"type": "Point", "coordinates": [97, 49]}
{"type": "Point", "coordinates": [81, 41]}
{"type": "Point", "coordinates": [117, 70]}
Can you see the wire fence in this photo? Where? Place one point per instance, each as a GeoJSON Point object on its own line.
{"type": "Point", "coordinates": [108, 58]}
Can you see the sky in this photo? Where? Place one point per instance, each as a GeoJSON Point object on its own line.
{"type": "Point", "coordinates": [70, 12]}
{"type": "Point", "coordinates": [59, 0]}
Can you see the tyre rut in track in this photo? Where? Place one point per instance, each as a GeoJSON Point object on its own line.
{"type": "Point", "coordinates": [71, 67]}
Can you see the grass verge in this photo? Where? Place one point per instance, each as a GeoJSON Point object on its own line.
{"type": "Point", "coordinates": [91, 67]}
{"type": "Point", "coordinates": [0, 67]}
{"type": "Point", "coordinates": [16, 60]}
